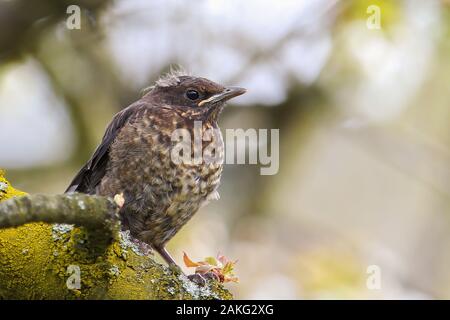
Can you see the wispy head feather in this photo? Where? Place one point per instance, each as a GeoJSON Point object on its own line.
{"type": "Point", "coordinates": [171, 78]}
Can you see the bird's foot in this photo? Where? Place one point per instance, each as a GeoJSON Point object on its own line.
{"type": "Point", "coordinates": [175, 268]}
{"type": "Point", "coordinates": [202, 279]}
{"type": "Point", "coordinates": [198, 279]}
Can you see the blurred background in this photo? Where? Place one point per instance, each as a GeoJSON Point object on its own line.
{"type": "Point", "coordinates": [363, 113]}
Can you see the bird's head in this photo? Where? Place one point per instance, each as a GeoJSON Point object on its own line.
{"type": "Point", "coordinates": [195, 96]}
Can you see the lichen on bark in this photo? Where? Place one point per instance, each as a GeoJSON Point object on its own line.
{"type": "Point", "coordinates": [40, 260]}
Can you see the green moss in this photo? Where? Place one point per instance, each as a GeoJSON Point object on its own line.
{"type": "Point", "coordinates": [6, 190]}
{"type": "Point", "coordinates": [35, 259]}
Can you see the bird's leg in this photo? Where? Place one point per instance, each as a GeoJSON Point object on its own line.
{"type": "Point", "coordinates": [168, 259]}
{"type": "Point", "coordinates": [196, 277]}
{"type": "Point", "coordinates": [166, 256]}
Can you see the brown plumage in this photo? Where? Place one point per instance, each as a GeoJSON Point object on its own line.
{"type": "Point", "coordinates": [134, 158]}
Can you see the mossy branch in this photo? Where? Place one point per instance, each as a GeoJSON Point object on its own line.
{"type": "Point", "coordinates": [39, 251]}
{"type": "Point", "coordinates": [91, 212]}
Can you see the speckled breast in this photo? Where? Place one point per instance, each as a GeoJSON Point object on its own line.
{"type": "Point", "coordinates": [160, 194]}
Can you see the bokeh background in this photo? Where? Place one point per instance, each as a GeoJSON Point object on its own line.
{"type": "Point", "coordinates": [364, 119]}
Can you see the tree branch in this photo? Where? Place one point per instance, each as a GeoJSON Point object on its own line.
{"type": "Point", "coordinates": [91, 212]}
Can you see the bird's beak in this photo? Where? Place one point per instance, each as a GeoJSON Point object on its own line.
{"type": "Point", "coordinates": [227, 94]}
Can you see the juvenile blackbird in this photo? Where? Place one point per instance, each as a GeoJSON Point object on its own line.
{"type": "Point", "coordinates": [134, 158]}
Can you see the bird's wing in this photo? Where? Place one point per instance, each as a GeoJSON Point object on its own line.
{"type": "Point", "coordinates": [92, 173]}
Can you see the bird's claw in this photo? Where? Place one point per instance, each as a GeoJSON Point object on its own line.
{"type": "Point", "coordinates": [211, 276]}
{"type": "Point", "coordinates": [202, 279]}
{"type": "Point", "coordinates": [175, 268]}
{"type": "Point", "coordinates": [198, 279]}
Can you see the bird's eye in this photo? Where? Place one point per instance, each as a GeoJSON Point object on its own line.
{"type": "Point", "coordinates": [192, 94]}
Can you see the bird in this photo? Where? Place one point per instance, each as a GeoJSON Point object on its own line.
{"type": "Point", "coordinates": [135, 158]}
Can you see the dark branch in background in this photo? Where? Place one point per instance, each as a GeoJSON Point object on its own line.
{"type": "Point", "coordinates": [91, 212]}
{"type": "Point", "coordinates": [21, 22]}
